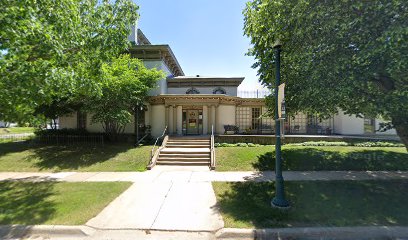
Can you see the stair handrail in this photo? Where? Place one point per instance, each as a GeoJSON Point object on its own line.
{"type": "Point", "coordinates": [212, 150]}
{"type": "Point", "coordinates": [141, 140]}
{"type": "Point", "coordinates": [155, 143]}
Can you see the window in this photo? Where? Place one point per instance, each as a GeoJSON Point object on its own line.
{"type": "Point", "coordinates": [256, 121]}
{"type": "Point", "coordinates": [81, 120]}
{"type": "Point", "coordinates": [192, 91]}
{"type": "Point", "coordinates": [219, 90]}
{"type": "Point", "coordinates": [369, 125]}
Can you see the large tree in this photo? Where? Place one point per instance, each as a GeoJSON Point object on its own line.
{"type": "Point", "coordinates": [349, 55]}
{"type": "Point", "coordinates": [53, 50]}
{"type": "Point", "coordinates": [125, 84]}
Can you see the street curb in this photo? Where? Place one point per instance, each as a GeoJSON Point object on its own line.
{"type": "Point", "coordinates": [20, 231]}
{"type": "Point", "coordinates": [375, 232]}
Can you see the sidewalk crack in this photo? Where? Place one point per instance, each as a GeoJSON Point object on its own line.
{"type": "Point", "coordinates": [161, 206]}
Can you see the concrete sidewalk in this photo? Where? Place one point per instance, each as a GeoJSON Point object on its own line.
{"type": "Point", "coordinates": [162, 206]}
{"type": "Point", "coordinates": [200, 175]}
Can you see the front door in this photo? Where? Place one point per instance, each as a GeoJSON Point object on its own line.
{"type": "Point", "coordinates": [192, 121]}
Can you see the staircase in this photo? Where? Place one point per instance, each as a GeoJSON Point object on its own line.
{"type": "Point", "coordinates": [186, 151]}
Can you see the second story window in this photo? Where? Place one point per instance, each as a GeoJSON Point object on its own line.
{"type": "Point", "coordinates": [192, 91]}
{"type": "Point", "coordinates": [219, 91]}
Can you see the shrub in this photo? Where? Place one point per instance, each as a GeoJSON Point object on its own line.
{"type": "Point", "coordinates": [242, 145]}
{"type": "Point", "coordinates": [378, 144]}
{"type": "Point", "coordinates": [321, 143]}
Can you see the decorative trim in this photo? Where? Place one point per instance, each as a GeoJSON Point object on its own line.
{"type": "Point", "coordinates": [219, 90]}
{"type": "Point", "coordinates": [192, 90]}
{"type": "Point", "coordinates": [203, 99]}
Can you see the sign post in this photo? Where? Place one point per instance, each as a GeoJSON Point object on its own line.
{"type": "Point", "coordinates": [279, 200]}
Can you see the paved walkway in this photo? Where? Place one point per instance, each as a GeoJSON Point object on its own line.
{"type": "Point", "coordinates": [199, 175]}
{"type": "Point", "coordinates": [177, 198]}
{"type": "Point", "coordinates": [162, 206]}
{"type": "Point", "coordinates": [15, 135]}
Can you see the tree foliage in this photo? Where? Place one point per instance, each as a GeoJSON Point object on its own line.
{"type": "Point", "coordinates": [124, 84]}
{"type": "Point", "coordinates": [53, 50]}
{"type": "Point", "coordinates": [349, 55]}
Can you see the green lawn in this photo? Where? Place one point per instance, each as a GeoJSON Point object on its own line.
{"type": "Point", "coordinates": [55, 203]}
{"type": "Point", "coordinates": [300, 158]}
{"type": "Point", "coordinates": [16, 130]}
{"type": "Point", "coordinates": [314, 203]}
{"type": "Point", "coordinates": [24, 157]}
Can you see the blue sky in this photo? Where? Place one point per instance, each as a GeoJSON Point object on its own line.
{"type": "Point", "coordinates": [205, 35]}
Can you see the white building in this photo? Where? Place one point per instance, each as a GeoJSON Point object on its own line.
{"type": "Point", "coordinates": [192, 105]}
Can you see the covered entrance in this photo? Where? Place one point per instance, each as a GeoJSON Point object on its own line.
{"type": "Point", "coordinates": [192, 121]}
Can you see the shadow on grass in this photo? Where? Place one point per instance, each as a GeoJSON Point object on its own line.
{"type": "Point", "coordinates": [336, 203]}
{"type": "Point", "coordinates": [311, 159]}
{"type": "Point", "coordinates": [60, 157]}
{"type": "Point", "coordinates": [25, 202]}
{"type": "Point", "coordinates": [12, 147]}
{"type": "Point", "coordinates": [75, 157]}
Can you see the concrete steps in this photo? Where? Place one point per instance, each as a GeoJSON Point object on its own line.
{"type": "Point", "coordinates": [186, 151]}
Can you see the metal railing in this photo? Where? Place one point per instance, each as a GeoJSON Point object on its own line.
{"type": "Point", "coordinates": [97, 139]}
{"type": "Point", "coordinates": [141, 140]}
{"type": "Point", "coordinates": [153, 153]}
{"type": "Point", "coordinates": [253, 93]}
{"type": "Point", "coordinates": [212, 150]}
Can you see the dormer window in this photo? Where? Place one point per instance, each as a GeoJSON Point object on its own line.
{"type": "Point", "coordinates": [219, 90]}
{"type": "Point", "coordinates": [192, 91]}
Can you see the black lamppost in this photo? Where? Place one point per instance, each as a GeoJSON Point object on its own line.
{"type": "Point", "coordinates": [279, 200]}
{"type": "Point", "coordinates": [138, 108]}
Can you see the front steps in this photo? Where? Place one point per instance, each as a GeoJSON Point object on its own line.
{"type": "Point", "coordinates": [186, 151]}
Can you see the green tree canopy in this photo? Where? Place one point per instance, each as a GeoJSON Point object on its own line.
{"type": "Point", "coordinates": [53, 50]}
{"type": "Point", "coordinates": [349, 55]}
{"type": "Point", "coordinates": [125, 84]}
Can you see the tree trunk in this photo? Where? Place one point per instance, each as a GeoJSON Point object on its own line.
{"type": "Point", "coordinates": [401, 126]}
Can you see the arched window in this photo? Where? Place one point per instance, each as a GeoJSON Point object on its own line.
{"type": "Point", "coordinates": [192, 91]}
{"type": "Point", "coordinates": [219, 90]}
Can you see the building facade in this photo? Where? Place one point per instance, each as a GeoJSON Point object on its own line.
{"type": "Point", "coordinates": [200, 105]}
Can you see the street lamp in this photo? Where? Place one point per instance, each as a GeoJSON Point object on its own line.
{"type": "Point", "coordinates": [137, 123]}
{"type": "Point", "coordinates": [279, 200]}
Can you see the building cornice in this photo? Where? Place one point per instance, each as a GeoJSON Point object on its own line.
{"type": "Point", "coordinates": [158, 52]}
{"type": "Point", "coordinates": [185, 81]}
{"type": "Point", "coordinates": [203, 99]}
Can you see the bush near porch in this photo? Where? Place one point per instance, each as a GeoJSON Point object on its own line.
{"type": "Point", "coordinates": [312, 158]}
{"type": "Point", "coordinates": [270, 139]}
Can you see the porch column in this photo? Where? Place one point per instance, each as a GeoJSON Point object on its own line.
{"type": "Point", "coordinates": [166, 117]}
{"type": "Point", "coordinates": [171, 119]}
{"type": "Point", "coordinates": [205, 119]}
{"type": "Point", "coordinates": [179, 120]}
{"type": "Point", "coordinates": [213, 117]}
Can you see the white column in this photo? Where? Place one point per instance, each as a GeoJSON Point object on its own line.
{"type": "Point", "coordinates": [205, 120]}
{"type": "Point", "coordinates": [179, 120]}
{"type": "Point", "coordinates": [213, 117]}
{"type": "Point", "coordinates": [171, 118]}
{"type": "Point", "coordinates": [166, 117]}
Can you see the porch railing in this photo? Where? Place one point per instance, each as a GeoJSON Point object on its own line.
{"type": "Point", "coordinates": [212, 150]}
{"type": "Point", "coordinates": [253, 93]}
{"type": "Point", "coordinates": [154, 154]}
